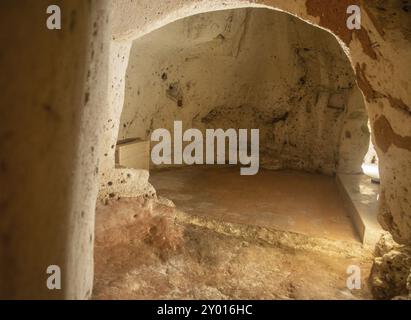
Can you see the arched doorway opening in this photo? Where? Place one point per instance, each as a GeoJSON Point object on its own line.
{"type": "Point", "coordinates": [248, 69]}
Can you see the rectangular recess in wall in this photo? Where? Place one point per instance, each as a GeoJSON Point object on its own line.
{"type": "Point", "coordinates": [133, 153]}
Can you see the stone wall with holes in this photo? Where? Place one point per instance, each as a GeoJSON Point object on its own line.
{"type": "Point", "coordinates": [250, 68]}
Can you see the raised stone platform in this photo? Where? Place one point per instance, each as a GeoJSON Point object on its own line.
{"type": "Point", "coordinates": [361, 199]}
{"type": "Point", "coordinates": [286, 200]}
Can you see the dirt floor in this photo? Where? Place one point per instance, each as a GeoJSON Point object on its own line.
{"type": "Point", "coordinates": [286, 200]}
{"type": "Point", "coordinates": [147, 249]}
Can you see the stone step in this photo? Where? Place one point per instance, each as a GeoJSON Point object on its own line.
{"type": "Point", "coordinates": [360, 196]}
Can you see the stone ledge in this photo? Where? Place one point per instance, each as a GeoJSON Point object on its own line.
{"type": "Point", "coordinates": [361, 199]}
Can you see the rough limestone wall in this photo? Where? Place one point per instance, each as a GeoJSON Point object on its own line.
{"type": "Point", "coordinates": [250, 68]}
{"type": "Point", "coordinates": [386, 54]}
{"type": "Point", "coordinates": [118, 182]}
{"type": "Point", "coordinates": [49, 131]}
{"type": "Point", "coordinates": [379, 51]}
{"type": "Point", "coordinates": [390, 276]}
{"type": "Point", "coordinates": [380, 54]}
{"type": "Point", "coordinates": [43, 161]}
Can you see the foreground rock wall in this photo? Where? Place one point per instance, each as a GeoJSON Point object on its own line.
{"type": "Point", "coordinates": [391, 273]}
{"type": "Point", "coordinates": [53, 86]}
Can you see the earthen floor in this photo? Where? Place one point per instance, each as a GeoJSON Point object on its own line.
{"type": "Point", "coordinates": [282, 200]}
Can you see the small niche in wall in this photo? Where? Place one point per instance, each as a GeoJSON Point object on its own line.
{"type": "Point", "coordinates": [133, 153]}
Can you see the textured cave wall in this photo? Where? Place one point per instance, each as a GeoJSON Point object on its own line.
{"type": "Point", "coordinates": [49, 165]}
{"type": "Point", "coordinates": [53, 85]}
{"type": "Point", "coordinates": [380, 55]}
{"type": "Point", "coordinates": [250, 68]}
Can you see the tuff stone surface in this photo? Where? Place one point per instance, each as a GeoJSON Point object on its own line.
{"type": "Point", "coordinates": [53, 86]}
{"type": "Point", "coordinates": [55, 117]}
{"type": "Point", "coordinates": [380, 51]}
{"type": "Point", "coordinates": [391, 271]}
{"type": "Point", "coordinates": [300, 92]}
{"type": "Point", "coordinates": [149, 250]}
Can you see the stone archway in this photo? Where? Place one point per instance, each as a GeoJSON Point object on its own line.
{"type": "Point", "coordinates": [265, 66]}
{"type": "Point", "coordinates": [367, 49]}
{"type": "Point", "coordinates": [374, 51]}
